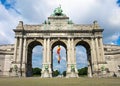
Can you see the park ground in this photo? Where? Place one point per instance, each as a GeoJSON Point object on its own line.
{"type": "Point", "coordinates": [35, 81]}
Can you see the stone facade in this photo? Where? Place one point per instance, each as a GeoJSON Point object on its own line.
{"type": "Point", "coordinates": [59, 30]}
{"type": "Point", "coordinates": [6, 58]}
{"type": "Point", "coordinates": [112, 57]}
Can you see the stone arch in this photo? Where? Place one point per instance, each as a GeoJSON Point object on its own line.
{"type": "Point", "coordinates": [30, 41]}
{"type": "Point", "coordinates": [30, 47]}
{"type": "Point", "coordinates": [87, 46]}
{"type": "Point", "coordinates": [58, 42]}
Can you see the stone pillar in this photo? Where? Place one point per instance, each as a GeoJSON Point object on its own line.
{"type": "Point", "coordinates": [71, 66]}
{"type": "Point", "coordinates": [92, 51]}
{"type": "Point", "coordinates": [93, 65]}
{"type": "Point", "coordinates": [97, 57]}
{"type": "Point", "coordinates": [15, 50]}
{"type": "Point", "coordinates": [68, 58]}
{"type": "Point", "coordinates": [46, 69]}
{"type": "Point", "coordinates": [20, 50]}
{"type": "Point", "coordinates": [89, 69]}
{"type": "Point", "coordinates": [48, 50]}
{"type": "Point", "coordinates": [44, 52]}
{"type": "Point", "coordinates": [72, 51]}
{"type": "Point", "coordinates": [24, 51]}
{"type": "Point", "coordinates": [68, 51]}
{"type": "Point", "coordinates": [94, 56]}
{"type": "Point", "coordinates": [24, 58]}
{"type": "Point", "coordinates": [73, 55]}
{"type": "Point", "coordinates": [49, 57]}
{"type": "Point", "coordinates": [97, 50]}
{"type": "Point", "coordinates": [102, 50]}
{"type": "Point", "coordinates": [20, 55]}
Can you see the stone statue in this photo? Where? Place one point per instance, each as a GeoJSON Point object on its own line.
{"type": "Point", "coordinates": [58, 12]}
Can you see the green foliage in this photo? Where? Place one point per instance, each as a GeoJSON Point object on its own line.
{"type": "Point", "coordinates": [64, 73]}
{"type": "Point", "coordinates": [36, 71]}
{"type": "Point", "coordinates": [56, 73]}
{"type": "Point", "coordinates": [82, 71]}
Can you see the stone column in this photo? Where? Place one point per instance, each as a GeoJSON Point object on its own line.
{"type": "Point", "coordinates": [44, 52]}
{"type": "Point", "coordinates": [72, 51]}
{"type": "Point", "coordinates": [71, 67]}
{"type": "Point", "coordinates": [92, 51]}
{"type": "Point", "coordinates": [102, 50]}
{"type": "Point", "coordinates": [68, 57]}
{"type": "Point", "coordinates": [44, 58]}
{"type": "Point", "coordinates": [89, 69]}
{"type": "Point", "coordinates": [24, 51]}
{"type": "Point", "coordinates": [20, 55]}
{"type": "Point", "coordinates": [68, 51]}
{"type": "Point", "coordinates": [74, 58]}
{"type": "Point", "coordinates": [46, 70]}
{"type": "Point", "coordinates": [15, 50]}
{"type": "Point", "coordinates": [97, 51]}
{"type": "Point", "coordinates": [93, 58]}
{"type": "Point", "coordinates": [24, 59]}
{"type": "Point", "coordinates": [48, 50]}
{"type": "Point", "coordinates": [20, 50]}
{"type": "Point", "coordinates": [49, 57]}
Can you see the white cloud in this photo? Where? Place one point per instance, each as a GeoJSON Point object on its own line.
{"type": "Point", "coordinates": [115, 17]}
{"type": "Point", "coordinates": [113, 38]}
{"type": "Point", "coordinates": [8, 22]}
{"type": "Point", "coordinates": [80, 11]}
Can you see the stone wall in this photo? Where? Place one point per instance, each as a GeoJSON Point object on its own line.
{"type": "Point", "coordinates": [112, 57]}
{"type": "Point", "coordinates": [6, 57]}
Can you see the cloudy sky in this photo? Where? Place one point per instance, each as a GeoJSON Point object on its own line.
{"type": "Point", "coordinates": [106, 12]}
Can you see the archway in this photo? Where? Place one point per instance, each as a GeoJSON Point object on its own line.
{"type": "Point", "coordinates": [30, 54]}
{"type": "Point", "coordinates": [83, 59]}
{"type": "Point", "coordinates": [62, 65]}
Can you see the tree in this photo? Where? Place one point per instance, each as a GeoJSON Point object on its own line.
{"type": "Point", "coordinates": [56, 73]}
{"type": "Point", "coordinates": [36, 71]}
{"type": "Point", "coordinates": [82, 71]}
{"type": "Point", "coordinates": [64, 73]}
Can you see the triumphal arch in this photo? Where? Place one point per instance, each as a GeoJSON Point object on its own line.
{"type": "Point", "coordinates": [16, 59]}
{"type": "Point", "coordinates": [58, 30]}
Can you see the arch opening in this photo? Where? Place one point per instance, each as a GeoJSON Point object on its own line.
{"type": "Point", "coordinates": [34, 57]}
{"type": "Point", "coordinates": [59, 68]}
{"type": "Point", "coordinates": [83, 59]}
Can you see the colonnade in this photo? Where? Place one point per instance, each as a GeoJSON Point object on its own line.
{"type": "Point", "coordinates": [96, 55]}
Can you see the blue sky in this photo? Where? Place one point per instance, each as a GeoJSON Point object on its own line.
{"type": "Point", "coordinates": [106, 12]}
{"type": "Point", "coordinates": [81, 58]}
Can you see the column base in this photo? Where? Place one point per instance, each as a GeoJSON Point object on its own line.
{"type": "Point", "coordinates": [46, 74]}
{"type": "Point", "coordinates": [71, 71]}
{"type": "Point", "coordinates": [72, 75]}
{"type": "Point", "coordinates": [46, 71]}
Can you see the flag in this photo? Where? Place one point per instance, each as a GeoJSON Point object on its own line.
{"type": "Point", "coordinates": [58, 52]}
{"type": "Point", "coordinates": [59, 58]}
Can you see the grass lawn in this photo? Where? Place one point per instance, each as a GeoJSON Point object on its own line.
{"type": "Point", "coordinates": [35, 81]}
